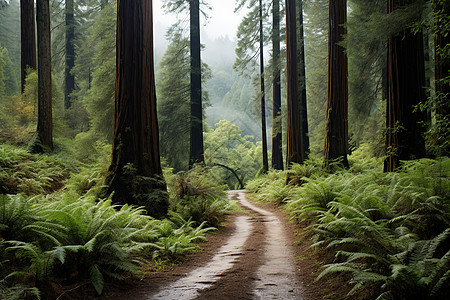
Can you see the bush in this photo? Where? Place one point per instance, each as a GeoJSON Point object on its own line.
{"type": "Point", "coordinates": [194, 194]}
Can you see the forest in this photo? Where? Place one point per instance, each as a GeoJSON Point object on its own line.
{"type": "Point", "coordinates": [117, 147]}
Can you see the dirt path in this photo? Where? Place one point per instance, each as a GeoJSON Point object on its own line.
{"type": "Point", "coordinates": [271, 275]}
{"type": "Point", "coordinates": [254, 257]}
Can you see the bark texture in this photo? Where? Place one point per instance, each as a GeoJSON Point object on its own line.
{"type": "Point", "coordinates": [442, 66]}
{"type": "Point", "coordinates": [27, 38]}
{"type": "Point", "coordinates": [135, 174]}
{"type": "Point", "coordinates": [196, 143]}
{"type": "Point", "coordinates": [406, 79]}
{"type": "Point", "coordinates": [336, 130]}
{"type": "Point", "coordinates": [302, 78]}
{"type": "Point", "coordinates": [295, 152]}
{"type": "Point", "coordinates": [265, 167]}
{"type": "Point", "coordinates": [44, 138]}
{"type": "Point", "coordinates": [277, 129]}
{"type": "Point", "coordinates": [70, 53]}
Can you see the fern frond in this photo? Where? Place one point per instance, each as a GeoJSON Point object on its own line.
{"type": "Point", "coordinates": [97, 278]}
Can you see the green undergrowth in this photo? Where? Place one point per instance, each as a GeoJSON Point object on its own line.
{"type": "Point", "coordinates": [56, 232]}
{"type": "Point", "coordinates": [22, 172]}
{"type": "Point", "coordinates": [389, 231]}
{"type": "Point", "coordinates": [196, 195]}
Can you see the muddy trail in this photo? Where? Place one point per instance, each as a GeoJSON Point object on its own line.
{"type": "Point", "coordinates": [253, 258]}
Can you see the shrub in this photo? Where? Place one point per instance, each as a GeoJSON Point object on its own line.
{"type": "Point", "coordinates": [194, 194]}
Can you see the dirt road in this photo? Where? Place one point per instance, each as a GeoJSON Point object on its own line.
{"type": "Point", "coordinates": [254, 262]}
{"type": "Point", "coordinates": [253, 257]}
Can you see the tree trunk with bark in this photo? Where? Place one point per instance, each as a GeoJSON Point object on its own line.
{"type": "Point", "coordinates": [196, 127]}
{"type": "Point", "coordinates": [295, 151]}
{"type": "Point", "coordinates": [44, 136]}
{"type": "Point", "coordinates": [442, 66]}
{"type": "Point", "coordinates": [302, 78]}
{"type": "Point", "coordinates": [336, 128]}
{"type": "Point", "coordinates": [135, 174]}
{"type": "Point", "coordinates": [70, 53]}
{"type": "Point", "coordinates": [406, 79]}
{"type": "Point", "coordinates": [277, 129]}
{"type": "Point", "coordinates": [265, 167]}
{"type": "Point", "coordinates": [27, 37]}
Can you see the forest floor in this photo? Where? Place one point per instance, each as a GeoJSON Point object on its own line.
{"type": "Point", "coordinates": [257, 255]}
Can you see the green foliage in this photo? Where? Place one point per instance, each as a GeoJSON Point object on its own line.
{"type": "Point", "coordinates": [273, 188]}
{"type": "Point", "coordinates": [16, 212]}
{"type": "Point", "coordinates": [21, 172]}
{"type": "Point", "coordinates": [181, 6]}
{"type": "Point", "coordinates": [10, 40]}
{"type": "Point", "coordinates": [99, 99]}
{"type": "Point", "coordinates": [178, 237]}
{"type": "Point", "coordinates": [389, 231]}
{"type": "Point", "coordinates": [196, 194]}
{"type": "Point", "coordinates": [316, 39]}
{"type": "Point", "coordinates": [75, 238]}
{"type": "Point", "coordinates": [226, 146]}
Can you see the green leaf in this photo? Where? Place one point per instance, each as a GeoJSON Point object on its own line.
{"type": "Point", "coordinates": [97, 278]}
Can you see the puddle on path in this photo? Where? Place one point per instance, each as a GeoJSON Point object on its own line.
{"type": "Point", "coordinates": [201, 278]}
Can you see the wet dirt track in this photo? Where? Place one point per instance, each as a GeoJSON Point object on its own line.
{"type": "Point", "coordinates": [256, 262]}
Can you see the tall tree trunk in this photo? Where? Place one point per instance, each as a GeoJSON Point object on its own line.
{"type": "Point", "coordinates": [135, 174]}
{"type": "Point", "coordinates": [442, 66]}
{"type": "Point", "coordinates": [336, 130]}
{"type": "Point", "coordinates": [70, 53]}
{"type": "Point", "coordinates": [27, 37]}
{"type": "Point", "coordinates": [302, 78]}
{"type": "Point", "coordinates": [44, 141]}
{"type": "Point", "coordinates": [263, 93]}
{"type": "Point", "coordinates": [406, 78]}
{"type": "Point", "coordinates": [295, 151]}
{"type": "Point", "coordinates": [196, 143]}
{"type": "Point", "coordinates": [277, 129]}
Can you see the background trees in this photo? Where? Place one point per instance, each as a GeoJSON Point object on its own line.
{"type": "Point", "coordinates": [91, 116]}
{"type": "Point", "coordinates": [196, 152]}
{"type": "Point", "coordinates": [251, 40]}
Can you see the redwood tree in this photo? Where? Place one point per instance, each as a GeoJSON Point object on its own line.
{"type": "Point", "coordinates": [295, 151]}
{"type": "Point", "coordinates": [27, 38]}
{"type": "Point", "coordinates": [336, 130]}
{"type": "Point", "coordinates": [442, 73]}
{"type": "Point", "coordinates": [302, 77]}
{"type": "Point", "coordinates": [135, 174]}
{"type": "Point", "coordinates": [265, 167]}
{"type": "Point", "coordinates": [406, 79]}
{"type": "Point", "coordinates": [44, 135]}
{"type": "Point", "coordinates": [277, 133]}
{"type": "Point", "coordinates": [70, 53]}
{"type": "Point", "coordinates": [196, 128]}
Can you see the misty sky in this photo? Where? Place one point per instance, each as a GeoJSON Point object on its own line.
{"type": "Point", "coordinates": [223, 21]}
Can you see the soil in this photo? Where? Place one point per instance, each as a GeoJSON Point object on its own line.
{"type": "Point", "coordinates": [255, 272]}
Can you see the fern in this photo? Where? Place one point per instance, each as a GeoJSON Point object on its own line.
{"type": "Point", "coordinates": [388, 230]}
{"type": "Point", "coordinates": [16, 212]}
